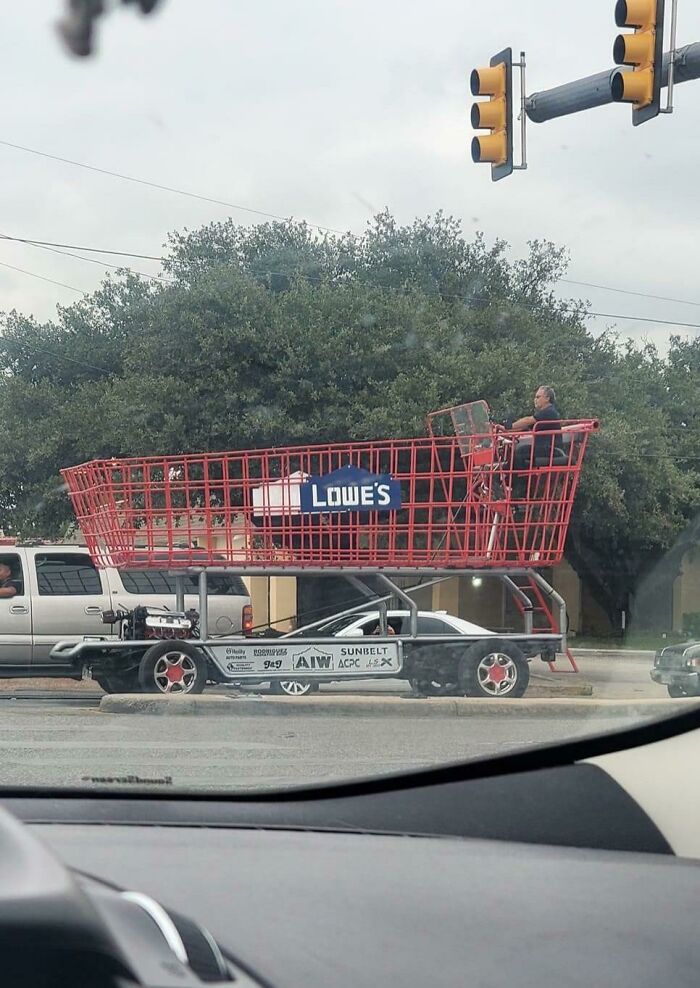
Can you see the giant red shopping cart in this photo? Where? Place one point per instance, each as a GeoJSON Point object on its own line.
{"type": "Point", "coordinates": [462, 500]}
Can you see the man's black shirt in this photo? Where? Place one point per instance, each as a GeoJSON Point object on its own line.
{"type": "Point", "coordinates": [546, 418]}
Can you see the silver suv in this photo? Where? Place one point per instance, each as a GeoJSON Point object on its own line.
{"type": "Point", "coordinates": [60, 595]}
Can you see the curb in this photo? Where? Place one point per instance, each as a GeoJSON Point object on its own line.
{"type": "Point", "coordinates": [543, 685]}
{"type": "Point", "coordinates": [613, 653]}
{"type": "Point", "coordinates": [396, 706]}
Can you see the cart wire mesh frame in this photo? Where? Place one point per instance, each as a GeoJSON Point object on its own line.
{"type": "Point", "coordinates": [481, 497]}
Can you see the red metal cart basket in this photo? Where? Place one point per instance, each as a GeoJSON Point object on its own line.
{"type": "Point", "coordinates": [478, 498]}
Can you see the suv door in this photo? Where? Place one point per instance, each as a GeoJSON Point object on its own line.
{"type": "Point", "coordinates": [16, 614]}
{"type": "Point", "coordinates": [69, 595]}
{"type": "Point", "coordinates": [156, 588]}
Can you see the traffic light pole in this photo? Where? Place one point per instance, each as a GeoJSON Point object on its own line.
{"type": "Point", "coordinates": [683, 65]}
{"type": "Point", "coordinates": [523, 115]}
{"type": "Point", "coordinates": [672, 58]}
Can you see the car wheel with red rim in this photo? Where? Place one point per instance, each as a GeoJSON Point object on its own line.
{"type": "Point", "coordinates": [495, 669]}
{"type": "Point", "coordinates": [173, 668]}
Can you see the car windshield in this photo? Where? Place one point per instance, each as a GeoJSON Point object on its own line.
{"type": "Point", "coordinates": [330, 307]}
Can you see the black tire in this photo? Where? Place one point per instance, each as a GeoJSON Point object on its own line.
{"type": "Point", "coordinates": [433, 687]}
{"type": "Point", "coordinates": [292, 687]}
{"type": "Point", "coordinates": [119, 682]}
{"type": "Point", "coordinates": [677, 691]}
{"type": "Point", "coordinates": [494, 669]}
{"type": "Point", "coordinates": [173, 668]}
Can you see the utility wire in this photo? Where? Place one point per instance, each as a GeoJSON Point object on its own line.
{"type": "Point", "coordinates": [587, 314]}
{"type": "Point", "coordinates": [41, 277]}
{"type": "Point", "coordinates": [163, 188]}
{"type": "Point", "coordinates": [32, 348]}
{"type": "Point", "coordinates": [625, 291]}
{"type": "Point", "coordinates": [95, 260]}
{"type": "Point", "coordinates": [268, 215]}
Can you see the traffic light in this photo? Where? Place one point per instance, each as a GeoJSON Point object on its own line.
{"type": "Point", "coordinates": [496, 115]}
{"type": "Point", "coordinates": [644, 51]}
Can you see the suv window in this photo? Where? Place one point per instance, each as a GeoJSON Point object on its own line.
{"type": "Point", "coordinates": [66, 574]}
{"type": "Point", "coordinates": [16, 580]}
{"type": "Point", "coordinates": [161, 582]}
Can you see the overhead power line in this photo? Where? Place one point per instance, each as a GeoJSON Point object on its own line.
{"type": "Point", "coordinates": [163, 188]}
{"type": "Point", "coordinates": [41, 277]}
{"type": "Point", "coordinates": [268, 215]}
{"type": "Point", "coordinates": [87, 250]}
{"type": "Point", "coordinates": [161, 258]}
{"type": "Point", "coordinates": [33, 348]}
{"type": "Point", "coordinates": [625, 291]}
{"type": "Point", "coordinates": [256, 212]}
{"type": "Point", "coordinates": [625, 317]}
{"type": "Point", "coordinates": [92, 260]}
{"type": "Point", "coordinates": [659, 322]}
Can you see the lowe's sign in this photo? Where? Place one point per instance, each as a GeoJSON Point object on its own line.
{"type": "Point", "coordinates": [350, 489]}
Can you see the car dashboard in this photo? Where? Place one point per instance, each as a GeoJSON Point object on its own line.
{"type": "Point", "coordinates": [528, 870]}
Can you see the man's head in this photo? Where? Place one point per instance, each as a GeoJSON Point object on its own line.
{"type": "Point", "coordinates": [544, 396]}
{"type": "Point", "coordinates": [5, 572]}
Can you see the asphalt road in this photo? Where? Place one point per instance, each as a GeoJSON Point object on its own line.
{"type": "Point", "coordinates": [54, 739]}
{"type": "Point", "coordinates": [57, 744]}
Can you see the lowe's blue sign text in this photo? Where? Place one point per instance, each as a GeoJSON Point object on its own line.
{"type": "Point", "coordinates": [350, 489]}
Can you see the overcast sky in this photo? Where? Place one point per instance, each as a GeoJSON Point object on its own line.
{"type": "Point", "coordinates": [330, 111]}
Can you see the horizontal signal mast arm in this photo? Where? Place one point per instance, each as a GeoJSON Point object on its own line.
{"type": "Point", "coordinates": [596, 90]}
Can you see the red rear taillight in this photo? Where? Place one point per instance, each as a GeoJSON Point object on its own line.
{"type": "Point", "coordinates": [247, 620]}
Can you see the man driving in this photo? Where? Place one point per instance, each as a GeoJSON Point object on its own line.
{"type": "Point", "coordinates": [7, 588]}
{"type": "Point", "coordinates": [546, 417]}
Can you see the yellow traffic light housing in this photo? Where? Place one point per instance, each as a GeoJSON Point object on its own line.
{"type": "Point", "coordinates": [496, 115]}
{"type": "Point", "coordinates": [643, 51]}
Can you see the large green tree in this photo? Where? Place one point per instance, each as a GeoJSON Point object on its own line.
{"type": "Point", "coordinates": [274, 335]}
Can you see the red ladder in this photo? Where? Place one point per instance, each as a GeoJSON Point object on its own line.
{"type": "Point", "coordinates": [543, 619]}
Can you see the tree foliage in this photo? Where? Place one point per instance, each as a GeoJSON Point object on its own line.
{"type": "Point", "coordinates": [273, 335]}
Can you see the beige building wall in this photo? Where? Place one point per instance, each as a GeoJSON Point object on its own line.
{"type": "Point", "coordinates": [274, 601]}
{"type": "Point", "coordinates": [566, 582]}
{"type": "Point", "coordinates": [686, 589]}
{"type": "Point", "coordinates": [477, 599]}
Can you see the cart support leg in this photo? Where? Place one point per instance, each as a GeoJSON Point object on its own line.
{"type": "Point", "coordinates": [524, 600]}
{"type": "Point", "coordinates": [370, 595]}
{"type": "Point", "coordinates": [559, 600]}
{"type": "Point", "coordinates": [179, 593]}
{"type": "Point", "coordinates": [408, 601]}
{"type": "Point", "coordinates": [203, 606]}
{"type": "Point", "coordinates": [375, 600]}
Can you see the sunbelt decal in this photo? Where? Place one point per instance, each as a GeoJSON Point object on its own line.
{"type": "Point", "coordinates": [350, 489]}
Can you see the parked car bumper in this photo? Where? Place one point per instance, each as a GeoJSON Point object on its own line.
{"type": "Point", "coordinates": [689, 680]}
